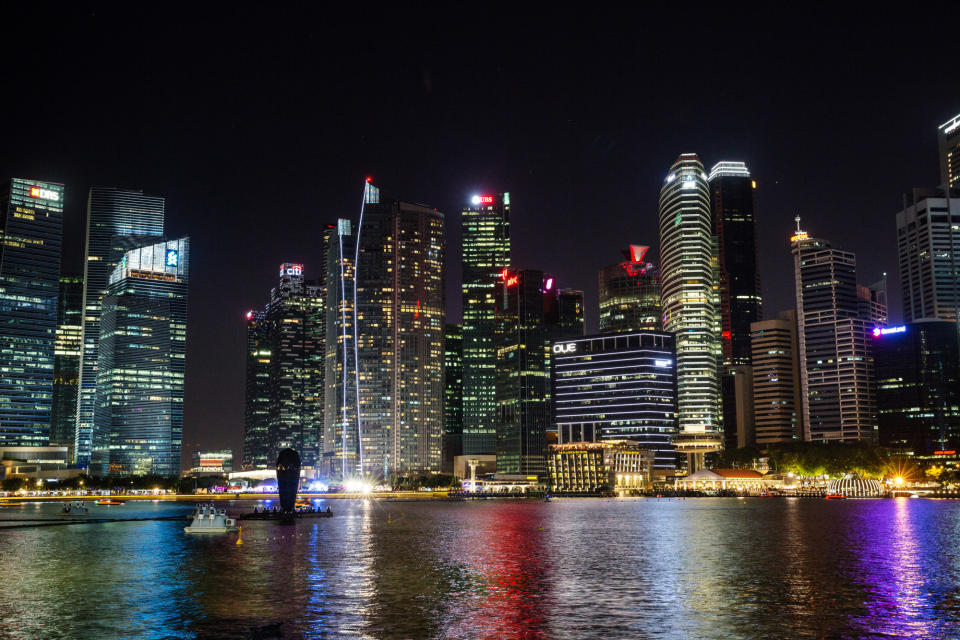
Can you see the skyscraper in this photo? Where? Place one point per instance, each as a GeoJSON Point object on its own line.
{"type": "Point", "coordinates": [256, 447]}
{"type": "Point", "coordinates": [836, 360]}
{"type": "Point", "coordinates": [629, 294]}
{"type": "Point", "coordinates": [522, 372]}
{"type": "Point", "coordinates": [918, 386]}
{"type": "Point", "coordinates": [66, 362]}
{"type": "Point", "coordinates": [948, 139]}
{"type": "Point", "coordinates": [734, 206]}
{"type": "Point", "coordinates": [32, 226]}
{"type": "Point", "coordinates": [777, 402]}
{"type": "Point", "coordinates": [689, 292]}
{"type": "Point", "coordinates": [928, 248]}
{"type": "Point", "coordinates": [486, 252]}
{"type": "Point", "coordinates": [453, 394]}
{"type": "Point", "coordinates": [398, 342]}
{"type": "Point", "coordinates": [117, 220]}
{"type": "Point", "coordinates": [140, 372]}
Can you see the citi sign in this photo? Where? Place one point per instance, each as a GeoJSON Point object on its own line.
{"type": "Point", "coordinates": [291, 269]}
{"type": "Point", "coordinates": [570, 347]}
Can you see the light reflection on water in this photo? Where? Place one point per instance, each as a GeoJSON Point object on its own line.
{"type": "Point", "coordinates": [645, 568]}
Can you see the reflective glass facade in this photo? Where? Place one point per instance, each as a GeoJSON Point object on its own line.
{"type": "Point", "coordinates": [32, 226]}
{"type": "Point", "coordinates": [453, 395]}
{"type": "Point", "coordinates": [66, 361]}
{"type": "Point", "coordinates": [629, 294]}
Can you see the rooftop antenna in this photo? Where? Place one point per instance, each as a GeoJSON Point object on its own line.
{"type": "Point", "coordinates": [797, 220]}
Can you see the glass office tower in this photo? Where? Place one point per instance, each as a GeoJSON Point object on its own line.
{"type": "Point", "coordinates": [486, 253]}
{"type": "Point", "coordinates": [66, 362]}
{"type": "Point", "coordinates": [629, 294]}
{"type": "Point", "coordinates": [117, 220]}
{"type": "Point", "coordinates": [32, 226]}
{"type": "Point", "coordinates": [140, 371]}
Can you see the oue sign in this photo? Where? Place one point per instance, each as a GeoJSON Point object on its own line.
{"type": "Point", "coordinates": [570, 347]}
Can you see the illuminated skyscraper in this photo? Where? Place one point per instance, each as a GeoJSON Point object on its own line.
{"type": "Point", "coordinates": [117, 220]}
{"type": "Point", "coordinates": [486, 252]}
{"type": "Point", "coordinates": [140, 372]}
{"type": "Point", "coordinates": [32, 225]}
{"type": "Point", "coordinates": [66, 362]}
{"type": "Point", "coordinates": [453, 395]}
{"type": "Point", "coordinates": [836, 360]}
{"type": "Point", "coordinates": [734, 206]}
{"type": "Point", "coordinates": [630, 294]}
{"type": "Point", "coordinates": [256, 447]}
{"type": "Point", "coordinates": [397, 342]}
{"type": "Point", "coordinates": [689, 291]}
{"type": "Point", "coordinates": [948, 138]}
{"type": "Point", "coordinates": [777, 403]}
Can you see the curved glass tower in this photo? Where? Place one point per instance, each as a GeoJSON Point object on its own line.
{"type": "Point", "coordinates": [690, 299]}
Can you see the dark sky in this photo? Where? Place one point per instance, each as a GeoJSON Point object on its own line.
{"type": "Point", "coordinates": [259, 125]}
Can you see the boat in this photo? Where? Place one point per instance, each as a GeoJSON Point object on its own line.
{"type": "Point", "coordinates": [109, 502]}
{"type": "Point", "coordinates": [835, 496]}
{"type": "Point", "coordinates": [9, 503]}
{"type": "Point", "coordinates": [209, 519]}
{"type": "Point", "coordinates": [766, 494]}
{"type": "Point", "coordinates": [303, 502]}
{"type": "Point", "coordinates": [75, 507]}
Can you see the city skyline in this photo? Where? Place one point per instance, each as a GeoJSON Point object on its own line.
{"type": "Point", "coordinates": [581, 164]}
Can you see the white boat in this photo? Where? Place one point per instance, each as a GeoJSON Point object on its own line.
{"type": "Point", "coordinates": [209, 519]}
{"type": "Point", "coordinates": [75, 507]}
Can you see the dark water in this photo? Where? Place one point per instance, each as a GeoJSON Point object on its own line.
{"type": "Point", "coordinates": [589, 568]}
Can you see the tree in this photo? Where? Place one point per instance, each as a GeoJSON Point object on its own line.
{"type": "Point", "coordinates": [14, 483]}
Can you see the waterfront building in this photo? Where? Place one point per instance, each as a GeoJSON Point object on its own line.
{"type": "Point", "coordinates": [485, 238]}
{"type": "Point", "coordinates": [836, 360]}
{"type": "Point", "coordinates": [117, 220]}
{"type": "Point", "coordinates": [777, 402]}
{"type": "Point", "coordinates": [66, 361]}
{"type": "Point", "coordinates": [256, 450]}
{"type": "Point", "coordinates": [31, 215]}
{"type": "Point", "coordinates": [617, 387]}
{"type": "Point", "coordinates": [740, 480]}
{"type": "Point", "coordinates": [211, 462]}
{"type": "Point", "coordinates": [629, 294]}
{"type": "Point", "coordinates": [36, 463]}
{"type": "Point", "coordinates": [928, 246]}
{"type": "Point", "coordinates": [589, 467]}
{"type": "Point", "coordinates": [522, 390]}
{"type": "Point", "coordinates": [452, 394]}
{"type": "Point", "coordinates": [397, 318]}
{"type": "Point", "coordinates": [918, 386]}
{"type": "Point", "coordinates": [690, 298]}
{"type": "Point", "coordinates": [734, 209]}
{"type": "Point", "coordinates": [142, 358]}
{"type": "Point", "coordinates": [948, 141]}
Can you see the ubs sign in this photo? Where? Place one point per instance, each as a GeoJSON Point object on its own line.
{"type": "Point", "coordinates": [570, 347]}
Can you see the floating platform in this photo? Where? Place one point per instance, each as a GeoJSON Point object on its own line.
{"type": "Point", "coordinates": [278, 515]}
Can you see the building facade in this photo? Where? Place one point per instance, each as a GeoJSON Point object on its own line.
{"type": "Point", "coordinates": [592, 467]}
{"type": "Point", "coordinates": [256, 449]}
{"type": "Point", "coordinates": [66, 362]}
{"type": "Point", "coordinates": [117, 220]}
{"type": "Point", "coordinates": [777, 401]}
{"type": "Point", "coordinates": [485, 237]}
{"type": "Point", "coordinates": [452, 395]}
{"type": "Point", "coordinates": [617, 387]}
{"type": "Point", "coordinates": [690, 298]}
{"type": "Point", "coordinates": [918, 386]}
{"type": "Point", "coordinates": [928, 247]}
{"type": "Point", "coordinates": [948, 141]}
{"type": "Point", "coordinates": [629, 294]}
{"type": "Point", "coordinates": [32, 229]}
{"type": "Point", "coordinates": [142, 358]}
{"type": "Point", "coordinates": [836, 360]}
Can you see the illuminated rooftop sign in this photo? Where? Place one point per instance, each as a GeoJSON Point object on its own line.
{"type": "Point", "coordinates": [482, 200]}
{"type": "Point", "coordinates": [46, 194]}
{"type": "Point", "coordinates": [172, 258]}
{"type": "Point", "coordinates": [570, 347]}
{"type": "Point", "coordinates": [799, 235]}
{"type": "Point", "coordinates": [287, 269]}
{"type": "Point", "coordinates": [885, 331]}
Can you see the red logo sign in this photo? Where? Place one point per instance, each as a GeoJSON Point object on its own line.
{"type": "Point", "coordinates": [486, 199]}
{"type": "Point", "coordinates": [949, 452]}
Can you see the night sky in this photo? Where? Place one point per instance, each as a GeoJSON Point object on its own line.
{"type": "Point", "coordinates": [260, 124]}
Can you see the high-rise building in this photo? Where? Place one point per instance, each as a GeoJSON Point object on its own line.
{"type": "Point", "coordinates": [928, 247]}
{"type": "Point", "coordinates": [690, 298]}
{"type": "Point", "coordinates": [256, 448]}
{"type": "Point", "coordinates": [734, 208]}
{"type": "Point", "coordinates": [66, 362]}
{"type": "Point", "coordinates": [142, 357]}
{"type": "Point", "coordinates": [398, 342]}
{"type": "Point", "coordinates": [522, 373]}
{"type": "Point", "coordinates": [736, 387]}
{"type": "Point", "coordinates": [918, 386]}
{"type": "Point", "coordinates": [341, 447]}
{"type": "Point", "coordinates": [117, 220]}
{"type": "Point", "coordinates": [32, 226]}
{"type": "Point", "coordinates": [873, 301]}
{"type": "Point", "coordinates": [777, 402]}
{"type": "Point", "coordinates": [629, 294]}
{"type": "Point", "coordinates": [617, 387]}
{"type": "Point", "coordinates": [948, 138]}
{"type": "Point", "coordinates": [836, 360]}
{"type": "Point", "coordinates": [452, 394]}
{"type": "Point", "coordinates": [486, 253]}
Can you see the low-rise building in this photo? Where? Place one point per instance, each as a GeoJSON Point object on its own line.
{"type": "Point", "coordinates": [746, 480]}
{"type": "Point", "coordinates": [39, 463]}
{"type": "Point", "coordinates": [590, 467]}
{"type": "Point", "coordinates": [212, 462]}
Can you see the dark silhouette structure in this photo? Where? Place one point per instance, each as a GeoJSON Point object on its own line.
{"type": "Point", "coordinates": [288, 479]}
